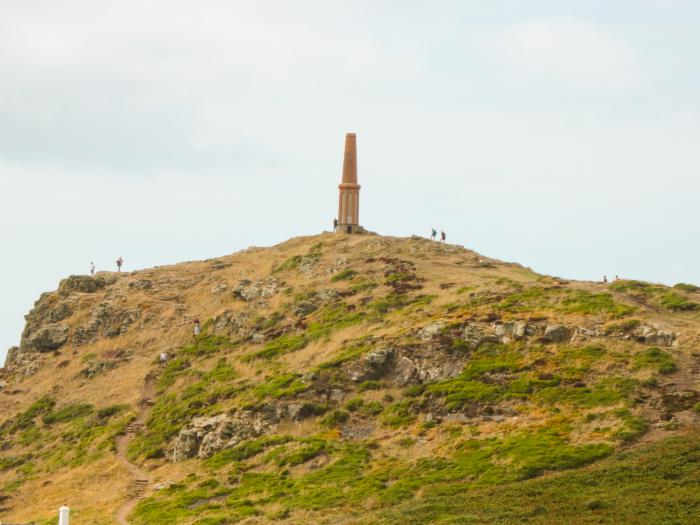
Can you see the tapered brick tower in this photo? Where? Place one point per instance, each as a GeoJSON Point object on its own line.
{"type": "Point", "coordinates": [349, 199]}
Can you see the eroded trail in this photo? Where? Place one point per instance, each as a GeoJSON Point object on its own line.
{"type": "Point", "coordinates": [139, 480]}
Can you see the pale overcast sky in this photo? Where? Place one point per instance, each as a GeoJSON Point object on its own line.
{"type": "Point", "coordinates": [560, 134]}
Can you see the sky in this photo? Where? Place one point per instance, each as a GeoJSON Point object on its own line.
{"type": "Point", "coordinates": [559, 134]}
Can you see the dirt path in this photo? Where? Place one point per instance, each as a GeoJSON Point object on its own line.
{"type": "Point", "coordinates": [139, 479]}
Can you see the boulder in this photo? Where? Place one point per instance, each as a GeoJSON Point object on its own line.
{"type": "Point", "coordinates": [372, 365]}
{"type": "Point", "coordinates": [431, 331]}
{"type": "Point", "coordinates": [304, 308]}
{"type": "Point", "coordinates": [414, 371]}
{"type": "Point", "coordinates": [556, 333]}
{"type": "Point", "coordinates": [653, 336]}
{"type": "Point", "coordinates": [510, 330]}
{"type": "Point", "coordinates": [49, 337]}
{"type": "Point", "coordinates": [205, 436]}
{"type": "Point", "coordinates": [473, 335]}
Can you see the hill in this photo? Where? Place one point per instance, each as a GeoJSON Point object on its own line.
{"type": "Point", "coordinates": [353, 379]}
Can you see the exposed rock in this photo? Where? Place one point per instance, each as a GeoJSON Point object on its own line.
{"type": "Point", "coordinates": [60, 312]}
{"type": "Point", "coordinates": [678, 401]}
{"type": "Point", "coordinates": [357, 430]}
{"type": "Point", "coordinates": [3, 385]}
{"type": "Point", "coordinates": [234, 323]}
{"type": "Point", "coordinates": [327, 294]}
{"type": "Point", "coordinates": [510, 330]}
{"type": "Point", "coordinates": [372, 365]}
{"type": "Point", "coordinates": [141, 284]}
{"type": "Point", "coordinates": [48, 338]}
{"type": "Point", "coordinates": [205, 436]}
{"type": "Point", "coordinates": [473, 335]}
{"type": "Point", "coordinates": [556, 333]}
{"type": "Point", "coordinates": [652, 336]}
{"type": "Point", "coordinates": [431, 331]}
{"type": "Point", "coordinates": [250, 291]}
{"type": "Point", "coordinates": [304, 308]}
{"type": "Point", "coordinates": [416, 370]}
{"type": "Point", "coordinates": [85, 283]}
{"type": "Point", "coordinates": [163, 485]}
{"type": "Point", "coordinates": [219, 288]}
{"type": "Point", "coordinates": [22, 362]}
{"type": "Point", "coordinates": [109, 361]}
{"type": "Point", "coordinates": [107, 319]}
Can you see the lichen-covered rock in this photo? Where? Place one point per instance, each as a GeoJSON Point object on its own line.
{"type": "Point", "coordinates": [473, 335]}
{"type": "Point", "coordinates": [205, 436]}
{"type": "Point", "coordinates": [371, 366]}
{"type": "Point", "coordinates": [556, 333]}
{"type": "Point", "coordinates": [238, 324]}
{"type": "Point", "coordinates": [417, 370]}
{"type": "Point", "coordinates": [248, 290]}
{"type": "Point", "coordinates": [511, 330]}
{"type": "Point", "coordinates": [85, 283]}
{"type": "Point", "coordinates": [49, 337]}
{"type": "Point", "coordinates": [219, 288]}
{"type": "Point", "coordinates": [431, 331]}
{"type": "Point", "coordinates": [653, 336]}
{"type": "Point", "coordinates": [61, 311]}
{"type": "Point", "coordinates": [304, 308]}
{"type": "Point", "coordinates": [107, 319]}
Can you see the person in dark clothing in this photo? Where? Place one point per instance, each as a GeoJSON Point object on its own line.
{"type": "Point", "coordinates": [335, 224]}
{"type": "Point", "coordinates": [433, 233]}
{"type": "Point", "coordinates": [442, 236]}
{"type": "Point", "coordinates": [120, 261]}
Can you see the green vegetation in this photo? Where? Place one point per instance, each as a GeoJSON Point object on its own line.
{"type": "Point", "coordinates": [622, 326]}
{"type": "Point", "coordinates": [68, 413]}
{"type": "Point", "coordinates": [344, 275]}
{"type": "Point", "coordinates": [655, 484]}
{"type": "Point", "coordinates": [326, 321]}
{"type": "Point", "coordinates": [657, 359]}
{"type": "Point", "coordinates": [676, 303]}
{"type": "Point", "coordinates": [685, 287]}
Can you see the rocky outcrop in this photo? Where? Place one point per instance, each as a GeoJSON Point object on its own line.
{"type": "Point", "coordinates": [48, 338]}
{"type": "Point", "coordinates": [512, 330]}
{"type": "Point", "coordinates": [372, 365]}
{"type": "Point", "coordinates": [248, 290]}
{"type": "Point", "coordinates": [108, 361]}
{"type": "Point", "coordinates": [556, 333]}
{"type": "Point", "coordinates": [85, 283]}
{"type": "Point", "coordinates": [417, 369]}
{"type": "Point", "coordinates": [238, 324]}
{"type": "Point", "coordinates": [205, 436]}
{"type": "Point", "coordinates": [653, 336]}
{"type": "Point", "coordinates": [107, 319]}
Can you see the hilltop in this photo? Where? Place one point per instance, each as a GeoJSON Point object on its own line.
{"type": "Point", "coordinates": [353, 379]}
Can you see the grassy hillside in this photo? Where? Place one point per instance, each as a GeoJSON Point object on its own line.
{"type": "Point", "coordinates": [353, 379]}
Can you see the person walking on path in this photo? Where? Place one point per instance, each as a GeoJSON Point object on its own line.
{"type": "Point", "coordinates": [197, 328]}
{"type": "Point", "coordinates": [120, 261]}
{"type": "Point", "coordinates": [433, 233]}
{"type": "Point", "coordinates": [442, 236]}
{"type": "Point", "coordinates": [92, 268]}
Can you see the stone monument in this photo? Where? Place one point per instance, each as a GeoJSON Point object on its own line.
{"type": "Point", "coordinates": [349, 198]}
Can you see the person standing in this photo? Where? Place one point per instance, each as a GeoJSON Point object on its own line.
{"type": "Point", "coordinates": [335, 225]}
{"type": "Point", "coordinates": [120, 261]}
{"type": "Point", "coordinates": [92, 268]}
{"type": "Point", "coordinates": [197, 328]}
{"type": "Point", "coordinates": [433, 233]}
{"type": "Point", "coordinates": [443, 237]}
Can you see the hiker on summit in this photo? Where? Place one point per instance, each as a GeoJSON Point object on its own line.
{"type": "Point", "coordinates": [605, 278]}
{"type": "Point", "coordinates": [92, 268]}
{"type": "Point", "coordinates": [433, 233]}
{"type": "Point", "coordinates": [197, 328]}
{"type": "Point", "coordinates": [442, 236]}
{"type": "Point", "coordinates": [120, 261]}
{"type": "Point", "coordinates": [335, 225]}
